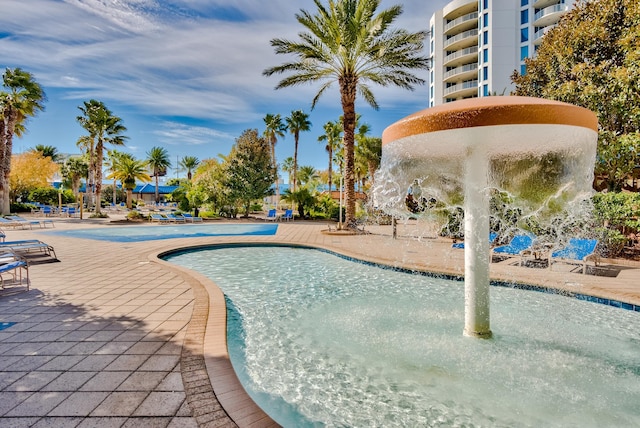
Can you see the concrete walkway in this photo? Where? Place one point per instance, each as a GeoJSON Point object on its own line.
{"type": "Point", "coordinates": [110, 336]}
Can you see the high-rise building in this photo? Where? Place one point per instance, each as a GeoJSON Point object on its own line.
{"type": "Point", "coordinates": [475, 45]}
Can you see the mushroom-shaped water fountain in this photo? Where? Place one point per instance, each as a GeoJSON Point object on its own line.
{"type": "Point", "coordinates": [540, 151]}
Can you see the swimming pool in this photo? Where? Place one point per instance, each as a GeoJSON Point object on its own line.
{"type": "Point", "coordinates": [318, 340]}
{"type": "Point", "coordinates": [151, 233]}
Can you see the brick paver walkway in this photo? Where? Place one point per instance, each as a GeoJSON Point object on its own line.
{"type": "Point", "coordinates": [111, 337]}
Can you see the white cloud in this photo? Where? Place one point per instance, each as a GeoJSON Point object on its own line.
{"type": "Point", "coordinates": [173, 133]}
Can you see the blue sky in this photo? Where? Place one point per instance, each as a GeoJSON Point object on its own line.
{"type": "Point", "coordinates": [182, 74]}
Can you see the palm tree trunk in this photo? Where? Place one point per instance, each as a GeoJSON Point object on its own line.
{"type": "Point", "coordinates": [157, 190]}
{"type": "Point", "coordinates": [330, 167]}
{"type": "Point", "coordinates": [295, 160]}
{"type": "Point", "coordinates": [348, 85]}
{"type": "Point", "coordinates": [98, 177]}
{"type": "Point", "coordinates": [129, 197]}
{"type": "Point", "coordinates": [6, 161]}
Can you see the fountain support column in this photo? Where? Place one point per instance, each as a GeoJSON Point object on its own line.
{"type": "Point", "coordinates": [476, 248]}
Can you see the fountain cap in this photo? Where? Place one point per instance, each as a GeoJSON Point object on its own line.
{"type": "Point", "coordinates": [490, 111]}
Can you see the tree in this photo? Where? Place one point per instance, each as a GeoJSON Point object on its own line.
{"type": "Point", "coordinates": [30, 170]}
{"type": "Point", "coordinates": [189, 163]}
{"type": "Point", "coordinates": [158, 161]}
{"type": "Point", "coordinates": [370, 151]}
{"type": "Point", "coordinates": [249, 170]}
{"type": "Point", "coordinates": [112, 161]}
{"type": "Point", "coordinates": [129, 171]}
{"type": "Point", "coordinates": [73, 171]}
{"type": "Point", "coordinates": [333, 136]}
{"type": "Point", "coordinates": [274, 128]}
{"type": "Point", "coordinates": [48, 151]}
{"type": "Point", "coordinates": [308, 175]}
{"type": "Point", "coordinates": [296, 123]}
{"type": "Point", "coordinates": [22, 98]}
{"type": "Point", "coordinates": [287, 166]}
{"type": "Point", "coordinates": [349, 43]}
{"type": "Point", "coordinates": [103, 128]}
{"type": "Point", "coordinates": [591, 59]}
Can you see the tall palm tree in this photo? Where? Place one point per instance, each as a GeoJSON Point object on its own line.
{"type": "Point", "coordinates": [348, 42]}
{"type": "Point", "coordinates": [274, 128]}
{"type": "Point", "coordinates": [112, 160]}
{"type": "Point", "coordinates": [333, 136]}
{"type": "Point", "coordinates": [73, 171]}
{"type": "Point", "coordinates": [287, 166]}
{"type": "Point", "coordinates": [129, 170]}
{"type": "Point", "coordinates": [47, 151]}
{"type": "Point", "coordinates": [22, 98]}
{"type": "Point", "coordinates": [308, 175]}
{"type": "Point", "coordinates": [296, 123]}
{"type": "Point", "coordinates": [158, 160]}
{"type": "Point", "coordinates": [370, 150]}
{"type": "Point", "coordinates": [103, 128]}
{"type": "Point", "coordinates": [190, 163]}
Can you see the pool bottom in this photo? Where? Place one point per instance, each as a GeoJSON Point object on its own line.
{"type": "Point", "coordinates": [335, 343]}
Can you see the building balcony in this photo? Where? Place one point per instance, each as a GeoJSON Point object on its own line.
{"type": "Point", "coordinates": [549, 15]}
{"type": "Point", "coordinates": [541, 4]}
{"type": "Point", "coordinates": [464, 72]}
{"type": "Point", "coordinates": [462, 90]}
{"type": "Point", "coordinates": [539, 35]}
{"type": "Point", "coordinates": [463, 23]}
{"type": "Point", "coordinates": [461, 57]}
{"type": "Point", "coordinates": [462, 40]}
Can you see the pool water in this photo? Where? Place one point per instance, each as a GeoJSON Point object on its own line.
{"type": "Point", "coordinates": [318, 340]}
{"type": "Point", "coordinates": [151, 233]}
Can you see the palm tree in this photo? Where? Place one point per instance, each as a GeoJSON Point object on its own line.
{"type": "Point", "coordinates": [348, 43]}
{"type": "Point", "coordinates": [22, 99]}
{"type": "Point", "coordinates": [158, 161]}
{"type": "Point", "coordinates": [73, 171]}
{"type": "Point", "coordinates": [47, 151]}
{"type": "Point", "coordinates": [370, 150]}
{"type": "Point", "coordinates": [296, 123]}
{"type": "Point", "coordinates": [287, 166]}
{"type": "Point", "coordinates": [333, 136]}
{"type": "Point", "coordinates": [112, 161]}
{"type": "Point", "coordinates": [308, 175]}
{"type": "Point", "coordinates": [190, 163]}
{"type": "Point", "coordinates": [104, 128]}
{"type": "Point", "coordinates": [129, 170]}
{"type": "Point", "coordinates": [274, 128]}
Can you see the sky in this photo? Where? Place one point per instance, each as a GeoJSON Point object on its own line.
{"type": "Point", "coordinates": [185, 75]}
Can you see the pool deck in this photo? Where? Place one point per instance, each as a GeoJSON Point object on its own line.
{"type": "Point", "coordinates": [111, 336]}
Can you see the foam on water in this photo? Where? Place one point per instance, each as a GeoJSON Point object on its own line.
{"type": "Point", "coordinates": [322, 341]}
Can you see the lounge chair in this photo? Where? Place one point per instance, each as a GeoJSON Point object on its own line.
{"type": "Point", "coordinates": [175, 218]}
{"type": "Point", "coordinates": [159, 218]}
{"type": "Point", "coordinates": [272, 215]}
{"type": "Point", "coordinates": [40, 223]}
{"type": "Point", "coordinates": [288, 215]}
{"type": "Point", "coordinates": [13, 223]}
{"type": "Point", "coordinates": [492, 237]}
{"type": "Point", "coordinates": [518, 246]}
{"type": "Point", "coordinates": [28, 246]}
{"type": "Point", "coordinates": [13, 264]}
{"type": "Point", "coordinates": [578, 251]}
{"type": "Point", "coordinates": [188, 217]}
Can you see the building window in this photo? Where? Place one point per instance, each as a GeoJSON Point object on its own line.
{"type": "Point", "coordinates": [485, 4]}
{"type": "Point", "coordinates": [485, 73]}
{"type": "Point", "coordinates": [485, 56]}
{"type": "Point", "coordinates": [485, 20]}
{"type": "Point", "coordinates": [524, 2]}
{"type": "Point", "coordinates": [523, 70]}
{"type": "Point", "coordinates": [485, 90]}
{"type": "Point", "coordinates": [524, 16]}
{"type": "Point", "coordinates": [485, 38]}
{"type": "Point", "coordinates": [524, 34]}
{"type": "Point", "coordinates": [524, 52]}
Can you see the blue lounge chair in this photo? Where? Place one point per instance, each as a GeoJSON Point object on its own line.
{"type": "Point", "coordinates": [271, 215]}
{"type": "Point", "coordinates": [288, 215]}
{"type": "Point", "coordinates": [175, 218]}
{"type": "Point", "coordinates": [492, 237]}
{"type": "Point", "coordinates": [159, 218]}
{"type": "Point", "coordinates": [578, 251]}
{"type": "Point", "coordinates": [188, 217]}
{"type": "Point", "coordinates": [28, 246]}
{"type": "Point", "coordinates": [518, 245]}
{"type": "Point", "coordinates": [13, 264]}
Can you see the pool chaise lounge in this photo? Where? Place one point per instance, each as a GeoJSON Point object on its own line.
{"type": "Point", "coordinates": [519, 246]}
{"type": "Point", "coordinates": [28, 246]}
{"type": "Point", "coordinates": [192, 219]}
{"type": "Point", "coordinates": [578, 251]}
{"type": "Point", "coordinates": [14, 265]}
{"type": "Point", "coordinates": [272, 215]}
{"type": "Point", "coordinates": [159, 218]}
{"type": "Point", "coordinates": [175, 218]}
{"type": "Point", "coordinates": [30, 223]}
